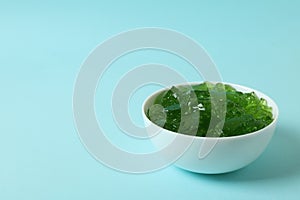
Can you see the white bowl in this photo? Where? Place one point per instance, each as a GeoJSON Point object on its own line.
{"type": "Point", "coordinates": [211, 155]}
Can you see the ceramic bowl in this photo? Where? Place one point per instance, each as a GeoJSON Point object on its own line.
{"type": "Point", "coordinates": [211, 155]}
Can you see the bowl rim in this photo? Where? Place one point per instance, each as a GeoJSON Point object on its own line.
{"type": "Point", "coordinates": [275, 111]}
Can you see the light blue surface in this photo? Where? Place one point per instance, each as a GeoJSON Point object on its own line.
{"type": "Point", "coordinates": [42, 46]}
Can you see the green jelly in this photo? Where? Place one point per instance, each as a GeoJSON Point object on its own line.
{"type": "Point", "coordinates": [190, 110]}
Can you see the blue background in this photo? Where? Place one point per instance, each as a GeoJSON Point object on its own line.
{"type": "Point", "coordinates": [42, 46]}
